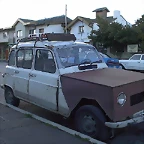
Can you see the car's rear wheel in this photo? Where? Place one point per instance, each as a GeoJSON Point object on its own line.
{"type": "Point", "coordinates": [10, 98]}
{"type": "Point", "coordinates": [90, 120]}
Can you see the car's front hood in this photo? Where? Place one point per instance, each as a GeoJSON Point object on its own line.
{"type": "Point", "coordinates": [107, 76]}
{"type": "Point", "coordinates": [104, 86]}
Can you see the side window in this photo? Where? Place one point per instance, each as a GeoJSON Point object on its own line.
{"type": "Point", "coordinates": [135, 57]}
{"type": "Point", "coordinates": [28, 57]}
{"type": "Point", "coordinates": [44, 61]}
{"type": "Point", "coordinates": [24, 58]}
{"type": "Point", "coordinates": [11, 61]}
{"type": "Point", "coordinates": [20, 58]}
{"type": "Point", "coordinates": [142, 57]}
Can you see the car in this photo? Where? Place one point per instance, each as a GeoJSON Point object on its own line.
{"type": "Point", "coordinates": [111, 62]}
{"type": "Point", "coordinates": [70, 78]}
{"type": "Point", "coordinates": [135, 63]}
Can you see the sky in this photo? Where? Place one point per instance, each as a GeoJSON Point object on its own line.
{"type": "Point", "coordinates": [11, 10]}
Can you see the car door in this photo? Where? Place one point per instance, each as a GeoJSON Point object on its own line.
{"type": "Point", "coordinates": [134, 62]}
{"type": "Point", "coordinates": [43, 81]}
{"type": "Point", "coordinates": [24, 58]}
{"type": "Point", "coordinates": [142, 63]}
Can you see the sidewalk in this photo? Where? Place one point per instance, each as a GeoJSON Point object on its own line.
{"type": "Point", "coordinates": [17, 128]}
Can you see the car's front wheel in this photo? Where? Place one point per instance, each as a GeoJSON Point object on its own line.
{"type": "Point", "coordinates": [10, 98]}
{"type": "Point", "coordinates": [90, 120]}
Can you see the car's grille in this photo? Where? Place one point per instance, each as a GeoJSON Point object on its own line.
{"type": "Point", "coordinates": [137, 98]}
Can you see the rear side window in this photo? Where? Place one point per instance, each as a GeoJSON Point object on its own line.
{"type": "Point", "coordinates": [11, 61]}
{"type": "Point", "coordinates": [142, 57]}
{"type": "Point", "coordinates": [24, 58]}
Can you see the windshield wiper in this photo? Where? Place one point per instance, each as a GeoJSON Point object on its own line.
{"type": "Point", "coordinates": [99, 61]}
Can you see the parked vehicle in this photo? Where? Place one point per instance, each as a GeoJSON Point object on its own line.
{"type": "Point", "coordinates": [111, 62]}
{"type": "Point", "coordinates": [71, 78]}
{"type": "Point", "coordinates": [136, 63]}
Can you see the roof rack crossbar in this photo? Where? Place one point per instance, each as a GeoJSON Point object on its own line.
{"type": "Point", "coordinates": [47, 36]}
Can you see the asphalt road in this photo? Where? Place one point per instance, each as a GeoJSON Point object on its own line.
{"type": "Point", "coordinates": [124, 138]}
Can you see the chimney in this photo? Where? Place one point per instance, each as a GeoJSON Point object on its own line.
{"type": "Point", "coordinates": [101, 12]}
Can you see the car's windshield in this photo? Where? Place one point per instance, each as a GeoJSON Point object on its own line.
{"type": "Point", "coordinates": [72, 56]}
{"type": "Point", "coordinates": [104, 55]}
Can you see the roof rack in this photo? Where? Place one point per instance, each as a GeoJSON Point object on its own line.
{"type": "Point", "coordinates": [49, 37]}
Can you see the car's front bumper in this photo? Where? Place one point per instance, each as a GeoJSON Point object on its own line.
{"type": "Point", "coordinates": [136, 118]}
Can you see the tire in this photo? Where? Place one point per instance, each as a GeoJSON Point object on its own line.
{"type": "Point", "coordinates": [95, 119]}
{"type": "Point", "coordinates": [122, 66]}
{"type": "Point", "coordinates": [10, 98]}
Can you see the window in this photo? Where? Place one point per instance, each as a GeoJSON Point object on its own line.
{"type": "Point", "coordinates": [5, 35]}
{"type": "Point", "coordinates": [142, 57]}
{"type": "Point", "coordinates": [73, 56]}
{"type": "Point", "coordinates": [19, 33]}
{"type": "Point", "coordinates": [41, 30]}
{"type": "Point", "coordinates": [32, 31]}
{"type": "Point", "coordinates": [81, 29]}
{"type": "Point", "coordinates": [11, 61]}
{"type": "Point", "coordinates": [44, 61]}
{"type": "Point", "coordinates": [24, 58]}
{"type": "Point", "coordinates": [135, 57]}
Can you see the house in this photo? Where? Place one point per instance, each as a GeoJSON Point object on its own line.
{"type": "Point", "coordinates": [24, 27]}
{"type": "Point", "coordinates": [6, 37]}
{"type": "Point", "coordinates": [81, 27]}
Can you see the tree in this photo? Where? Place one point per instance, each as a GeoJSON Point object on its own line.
{"type": "Point", "coordinates": [139, 27]}
{"type": "Point", "coordinates": [114, 35]}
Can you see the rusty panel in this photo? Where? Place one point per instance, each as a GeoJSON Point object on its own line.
{"type": "Point", "coordinates": [129, 90]}
{"type": "Point", "coordinates": [74, 90]}
{"type": "Point", "coordinates": [108, 76]}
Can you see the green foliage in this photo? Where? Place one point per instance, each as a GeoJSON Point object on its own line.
{"type": "Point", "coordinates": [117, 36]}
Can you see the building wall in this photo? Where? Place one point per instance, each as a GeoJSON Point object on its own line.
{"type": "Point", "coordinates": [119, 18]}
{"type": "Point", "coordinates": [57, 28]}
{"type": "Point", "coordinates": [81, 36]}
{"type": "Point", "coordinates": [18, 27]}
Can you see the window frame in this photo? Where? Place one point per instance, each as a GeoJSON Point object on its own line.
{"type": "Point", "coordinates": [41, 29]}
{"type": "Point", "coordinates": [134, 56]}
{"type": "Point", "coordinates": [81, 29]}
{"type": "Point", "coordinates": [14, 58]}
{"type": "Point", "coordinates": [52, 57]}
{"type": "Point", "coordinates": [32, 31]}
{"type": "Point", "coordinates": [24, 49]}
{"type": "Point", "coordinates": [142, 57]}
{"type": "Point", "coordinates": [19, 33]}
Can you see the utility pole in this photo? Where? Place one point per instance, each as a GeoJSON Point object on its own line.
{"type": "Point", "coordinates": [65, 18]}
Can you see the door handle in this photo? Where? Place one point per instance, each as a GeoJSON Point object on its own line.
{"type": "Point", "coordinates": [16, 71]}
{"type": "Point", "coordinates": [32, 75]}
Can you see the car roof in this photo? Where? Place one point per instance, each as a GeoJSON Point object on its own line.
{"type": "Point", "coordinates": [46, 44]}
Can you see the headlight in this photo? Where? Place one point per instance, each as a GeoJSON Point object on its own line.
{"type": "Point", "coordinates": [121, 99]}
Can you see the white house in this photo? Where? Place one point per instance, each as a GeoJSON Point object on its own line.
{"type": "Point", "coordinates": [82, 26]}
{"type": "Point", "coordinates": [24, 27]}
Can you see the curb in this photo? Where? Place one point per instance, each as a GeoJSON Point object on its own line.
{"type": "Point", "coordinates": [65, 129]}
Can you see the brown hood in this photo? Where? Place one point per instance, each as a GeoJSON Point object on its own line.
{"type": "Point", "coordinates": [108, 77]}
{"type": "Point", "coordinates": [103, 85]}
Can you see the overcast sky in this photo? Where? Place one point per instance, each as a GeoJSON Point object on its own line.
{"type": "Point", "coordinates": [11, 10]}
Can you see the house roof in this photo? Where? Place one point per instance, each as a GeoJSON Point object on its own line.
{"type": "Point", "coordinates": [88, 21]}
{"type": "Point", "coordinates": [53, 20]}
{"type": "Point", "coordinates": [101, 9]}
{"type": "Point", "coordinates": [23, 21]}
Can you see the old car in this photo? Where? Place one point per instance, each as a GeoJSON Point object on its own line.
{"type": "Point", "coordinates": [71, 78]}
{"type": "Point", "coordinates": [111, 62]}
{"type": "Point", "coordinates": [135, 63]}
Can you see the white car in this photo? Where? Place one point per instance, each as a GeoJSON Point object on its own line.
{"type": "Point", "coordinates": [136, 62]}
{"type": "Point", "coordinates": [71, 79]}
